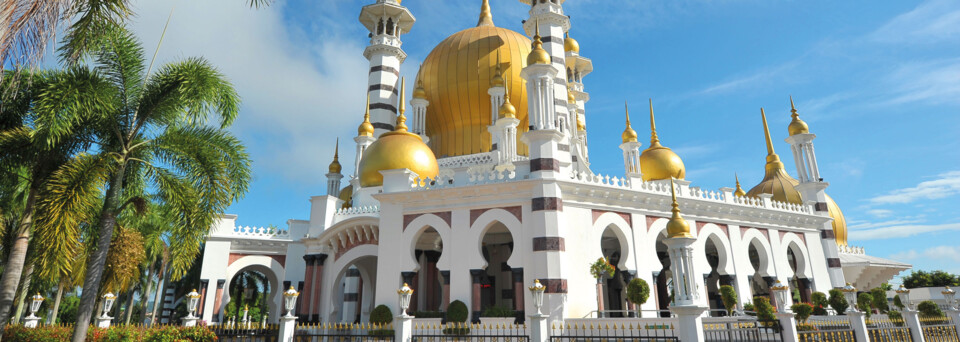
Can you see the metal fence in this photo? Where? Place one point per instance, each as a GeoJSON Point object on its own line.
{"type": "Point", "coordinates": [624, 332]}
{"type": "Point", "coordinates": [343, 332]}
{"type": "Point", "coordinates": [826, 329]}
{"type": "Point", "coordinates": [477, 332]}
{"type": "Point", "coordinates": [882, 328]}
{"type": "Point", "coordinates": [743, 331]}
{"type": "Point", "coordinates": [938, 329]}
{"type": "Point", "coordinates": [246, 332]}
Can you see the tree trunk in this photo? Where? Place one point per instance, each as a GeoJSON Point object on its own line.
{"type": "Point", "coordinates": [129, 308]}
{"type": "Point", "coordinates": [56, 305]}
{"type": "Point", "coordinates": [23, 292]}
{"type": "Point", "coordinates": [144, 299]}
{"type": "Point", "coordinates": [97, 259]}
{"type": "Point", "coordinates": [18, 255]}
{"type": "Point", "coordinates": [158, 296]}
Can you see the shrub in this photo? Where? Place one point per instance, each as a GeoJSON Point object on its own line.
{"type": "Point", "coordinates": [928, 308]}
{"type": "Point", "coordinates": [895, 317]}
{"type": "Point", "coordinates": [749, 307]}
{"type": "Point", "coordinates": [897, 302]}
{"type": "Point", "coordinates": [638, 291]}
{"type": "Point", "coordinates": [729, 296]}
{"type": "Point", "coordinates": [458, 330]}
{"type": "Point", "coordinates": [838, 302]}
{"type": "Point", "coordinates": [864, 303]}
{"type": "Point", "coordinates": [457, 312]}
{"type": "Point", "coordinates": [381, 315]}
{"type": "Point", "coordinates": [803, 311]}
{"type": "Point", "coordinates": [602, 268]}
{"type": "Point", "coordinates": [764, 309]}
{"type": "Point", "coordinates": [820, 303]}
{"type": "Point", "coordinates": [880, 300]}
{"type": "Point", "coordinates": [113, 334]}
{"type": "Point", "coordinates": [498, 311]}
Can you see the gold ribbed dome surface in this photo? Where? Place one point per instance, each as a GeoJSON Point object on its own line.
{"type": "Point", "coordinates": [456, 76]}
{"type": "Point", "coordinates": [346, 195]}
{"type": "Point", "coordinates": [658, 162]}
{"type": "Point", "coordinates": [796, 126]}
{"type": "Point", "coordinates": [839, 222]}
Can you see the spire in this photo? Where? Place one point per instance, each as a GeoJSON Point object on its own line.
{"type": "Point", "coordinates": [507, 110]}
{"type": "Point", "coordinates": [796, 126]}
{"type": "Point", "coordinates": [677, 227]}
{"type": "Point", "coordinates": [486, 19]}
{"type": "Point", "coordinates": [654, 140]}
{"type": "Point", "coordinates": [739, 191]}
{"type": "Point", "coordinates": [773, 160]}
{"type": "Point", "coordinates": [366, 128]}
{"type": "Point", "coordinates": [402, 119]}
{"type": "Point", "coordinates": [538, 55]}
{"type": "Point", "coordinates": [497, 80]}
{"type": "Point", "coordinates": [629, 135]}
{"type": "Point", "coordinates": [335, 166]}
{"type": "Point", "coordinates": [419, 92]}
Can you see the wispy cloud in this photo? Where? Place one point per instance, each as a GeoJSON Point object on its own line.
{"type": "Point", "coordinates": [946, 185]}
{"type": "Point", "coordinates": [931, 81]}
{"type": "Point", "coordinates": [901, 231]}
{"type": "Point", "coordinates": [933, 21]}
{"type": "Point", "coordinates": [880, 213]}
{"type": "Point", "coordinates": [944, 253]}
{"type": "Point", "coordinates": [761, 77]}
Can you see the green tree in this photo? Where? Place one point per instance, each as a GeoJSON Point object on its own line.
{"type": "Point", "coordinates": [929, 308]}
{"type": "Point", "coordinates": [638, 291]}
{"type": "Point", "coordinates": [729, 296]}
{"type": "Point", "coordinates": [880, 299]}
{"type": "Point", "coordinates": [930, 279]}
{"type": "Point", "coordinates": [820, 303]}
{"type": "Point", "coordinates": [864, 303]}
{"type": "Point", "coordinates": [838, 302]}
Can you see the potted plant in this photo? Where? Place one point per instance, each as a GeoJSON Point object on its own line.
{"type": "Point", "coordinates": [601, 269]}
{"type": "Point", "coordinates": [496, 316]}
{"type": "Point", "coordinates": [638, 291]}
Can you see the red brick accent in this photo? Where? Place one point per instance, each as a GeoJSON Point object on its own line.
{"type": "Point", "coordinates": [446, 216]}
{"type": "Point", "coordinates": [783, 233]}
{"type": "Point", "coordinates": [517, 211]}
{"type": "Point", "coordinates": [626, 216]}
{"type": "Point", "coordinates": [722, 227]}
{"type": "Point", "coordinates": [651, 220]}
{"type": "Point", "coordinates": [351, 245]}
{"type": "Point", "coordinates": [282, 259]}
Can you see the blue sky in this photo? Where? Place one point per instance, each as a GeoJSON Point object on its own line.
{"type": "Point", "coordinates": [878, 82]}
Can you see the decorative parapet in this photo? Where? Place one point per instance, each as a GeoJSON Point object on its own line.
{"type": "Point", "coordinates": [467, 160]}
{"type": "Point", "coordinates": [357, 211]}
{"type": "Point", "coordinates": [852, 250]}
{"type": "Point", "coordinates": [596, 179]}
{"type": "Point", "coordinates": [259, 232]}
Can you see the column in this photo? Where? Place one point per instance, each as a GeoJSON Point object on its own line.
{"type": "Point", "coordinates": [203, 296]}
{"type": "Point", "coordinates": [303, 308]}
{"type": "Point", "coordinates": [475, 275]}
{"type": "Point", "coordinates": [317, 286]}
{"type": "Point", "coordinates": [518, 288]}
{"type": "Point", "coordinates": [911, 317]}
{"type": "Point", "coordinates": [859, 324]}
{"type": "Point", "coordinates": [351, 295]}
{"type": "Point", "coordinates": [217, 316]}
{"type": "Point", "coordinates": [432, 278]}
{"type": "Point", "coordinates": [446, 290]}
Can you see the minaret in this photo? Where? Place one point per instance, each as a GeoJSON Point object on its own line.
{"type": "Point", "coordinates": [631, 148]}
{"type": "Point", "coordinates": [687, 304]}
{"type": "Point", "coordinates": [334, 176]}
{"type": "Point", "coordinates": [386, 20]}
{"type": "Point", "coordinates": [419, 104]}
{"type": "Point", "coordinates": [504, 131]}
{"type": "Point", "coordinates": [540, 75]}
{"type": "Point", "coordinates": [364, 137]}
{"type": "Point", "coordinates": [576, 68]}
{"type": "Point", "coordinates": [548, 21]}
{"type": "Point", "coordinates": [813, 190]}
{"type": "Point", "coordinates": [496, 91]}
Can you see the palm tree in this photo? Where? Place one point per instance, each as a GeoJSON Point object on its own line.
{"type": "Point", "coordinates": [152, 139]}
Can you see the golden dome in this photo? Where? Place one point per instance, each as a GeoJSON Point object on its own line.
{"type": "Point", "coordinates": [571, 45]}
{"type": "Point", "coordinates": [776, 181]}
{"type": "Point", "coordinates": [839, 222]}
{"type": "Point", "coordinates": [629, 135]}
{"type": "Point", "coordinates": [346, 195]}
{"type": "Point", "coordinates": [366, 128]}
{"type": "Point", "coordinates": [658, 162]}
{"type": "Point", "coordinates": [456, 76]}
{"type": "Point", "coordinates": [335, 166]}
{"type": "Point", "coordinates": [538, 55]}
{"type": "Point", "coordinates": [571, 99]}
{"type": "Point", "coordinates": [397, 150]}
{"type": "Point", "coordinates": [677, 226]}
{"type": "Point", "coordinates": [797, 126]}
{"type": "Point", "coordinates": [739, 191]}
{"type": "Point", "coordinates": [507, 110]}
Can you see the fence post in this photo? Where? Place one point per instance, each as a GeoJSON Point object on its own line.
{"type": "Point", "coordinates": [788, 326]}
{"type": "Point", "coordinates": [954, 315]}
{"type": "Point", "coordinates": [912, 318]}
{"type": "Point", "coordinates": [404, 328]}
{"type": "Point", "coordinates": [858, 323]}
{"type": "Point", "coordinates": [31, 322]}
{"type": "Point", "coordinates": [538, 328]}
{"type": "Point", "coordinates": [288, 325]}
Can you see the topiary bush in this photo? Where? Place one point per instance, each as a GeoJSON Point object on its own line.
{"type": "Point", "coordinates": [879, 300]}
{"type": "Point", "coordinates": [457, 312]}
{"type": "Point", "coordinates": [381, 315]}
{"type": "Point", "coordinates": [729, 296]}
{"type": "Point", "coordinates": [820, 303]}
{"type": "Point", "coordinates": [803, 311]}
{"type": "Point", "coordinates": [865, 303]}
{"type": "Point", "coordinates": [498, 311]}
{"type": "Point", "coordinates": [895, 317]}
{"type": "Point", "coordinates": [929, 308]}
{"type": "Point", "coordinates": [764, 309]}
{"type": "Point", "coordinates": [897, 302]}
{"type": "Point", "coordinates": [838, 302]}
{"type": "Point", "coordinates": [638, 291]}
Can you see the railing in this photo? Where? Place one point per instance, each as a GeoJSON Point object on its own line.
{"type": "Point", "coordinates": [246, 332]}
{"type": "Point", "coordinates": [647, 330]}
{"type": "Point", "coordinates": [882, 328]}
{"type": "Point", "coordinates": [728, 330]}
{"type": "Point", "coordinates": [343, 332]}
{"type": "Point", "coordinates": [938, 329]}
{"type": "Point", "coordinates": [470, 332]}
{"type": "Point", "coordinates": [261, 232]}
{"type": "Point", "coordinates": [628, 314]}
{"type": "Point", "coordinates": [372, 209]}
{"type": "Point", "coordinates": [826, 328]}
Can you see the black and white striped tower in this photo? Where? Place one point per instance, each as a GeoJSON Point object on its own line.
{"type": "Point", "coordinates": [547, 15]}
{"type": "Point", "coordinates": [386, 20]}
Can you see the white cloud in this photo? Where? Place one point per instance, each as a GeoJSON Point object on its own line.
{"type": "Point", "coordinates": [297, 93]}
{"type": "Point", "coordinates": [946, 185]}
{"type": "Point", "coordinates": [762, 77]}
{"type": "Point", "coordinates": [900, 231]}
{"type": "Point", "coordinates": [939, 253]}
{"type": "Point", "coordinates": [881, 213]}
{"type": "Point", "coordinates": [933, 21]}
{"type": "Point", "coordinates": [931, 81]}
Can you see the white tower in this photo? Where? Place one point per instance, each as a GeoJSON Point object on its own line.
{"type": "Point", "coordinates": [548, 21]}
{"type": "Point", "coordinates": [576, 68]}
{"type": "Point", "coordinates": [631, 149]}
{"type": "Point", "coordinates": [419, 103]}
{"type": "Point", "coordinates": [333, 175]}
{"type": "Point", "coordinates": [386, 20]}
{"type": "Point", "coordinates": [813, 190]}
{"type": "Point", "coordinates": [539, 73]}
{"type": "Point", "coordinates": [687, 304]}
{"type": "Point", "coordinates": [365, 137]}
{"type": "Point", "coordinates": [504, 129]}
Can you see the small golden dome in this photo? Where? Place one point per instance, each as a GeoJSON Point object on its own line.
{"type": "Point", "coordinates": [571, 45]}
{"type": "Point", "coordinates": [571, 99]}
{"type": "Point", "coordinates": [658, 162]}
{"type": "Point", "coordinates": [397, 150]}
{"type": "Point", "coordinates": [677, 227]}
{"type": "Point", "coordinates": [366, 128]}
{"type": "Point", "coordinates": [797, 126]}
{"type": "Point", "coordinates": [629, 135]}
{"type": "Point", "coordinates": [739, 191]}
{"type": "Point", "coordinates": [581, 126]}
{"type": "Point", "coordinates": [776, 181]}
{"type": "Point", "coordinates": [419, 92]}
{"type": "Point", "coordinates": [538, 55]}
{"type": "Point", "coordinates": [346, 195]}
{"type": "Point", "coordinates": [497, 80]}
{"type": "Point", "coordinates": [839, 222]}
{"type": "Point", "coordinates": [507, 110]}
{"type": "Point", "coordinates": [335, 166]}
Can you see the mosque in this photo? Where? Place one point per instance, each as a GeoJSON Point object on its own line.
{"type": "Point", "coordinates": [480, 183]}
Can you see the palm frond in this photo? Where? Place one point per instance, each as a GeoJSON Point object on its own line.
{"type": "Point", "coordinates": [32, 24]}
{"type": "Point", "coordinates": [69, 101]}
{"type": "Point", "coordinates": [93, 19]}
{"type": "Point", "coordinates": [186, 93]}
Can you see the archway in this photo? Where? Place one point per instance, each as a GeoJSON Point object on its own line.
{"type": "Point", "coordinates": [354, 291]}
{"type": "Point", "coordinates": [426, 279]}
{"type": "Point", "coordinates": [496, 282]}
{"type": "Point", "coordinates": [663, 278]}
{"type": "Point", "coordinates": [712, 279]}
{"type": "Point", "coordinates": [760, 281]}
{"type": "Point", "coordinates": [253, 285]}
{"type": "Point", "coordinates": [800, 283]}
{"type": "Point", "coordinates": [615, 287]}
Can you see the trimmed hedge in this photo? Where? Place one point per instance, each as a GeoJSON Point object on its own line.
{"type": "Point", "coordinates": [838, 302]}
{"type": "Point", "coordinates": [729, 296]}
{"type": "Point", "coordinates": [381, 315]}
{"type": "Point", "coordinates": [125, 333]}
{"type": "Point", "coordinates": [457, 312]}
{"type": "Point", "coordinates": [498, 311]}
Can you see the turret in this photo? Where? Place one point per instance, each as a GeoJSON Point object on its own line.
{"type": "Point", "coordinates": [386, 20]}
{"type": "Point", "coordinates": [365, 137]}
{"type": "Point", "coordinates": [419, 103]}
{"type": "Point", "coordinates": [548, 21]}
{"type": "Point", "coordinates": [334, 174]}
{"type": "Point", "coordinates": [504, 131]}
{"type": "Point", "coordinates": [630, 147]}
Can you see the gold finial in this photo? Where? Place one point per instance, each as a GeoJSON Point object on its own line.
{"type": "Point", "coordinates": [739, 191]}
{"type": "Point", "coordinates": [402, 119]}
{"type": "Point", "coordinates": [654, 140]}
{"type": "Point", "coordinates": [677, 226]}
{"type": "Point", "coordinates": [629, 135]}
{"type": "Point", "coordinates": [796, 126]}
{"type": "Point", "coordinates": [507, 110]}
{"type": "Point", "coordinates": [419, 92]}
{"type": "Point", "coordinates": [773, 160]}
{"type": "Point", "coordinates": [486, 19]}
{"type": "Point", "coordinates": [366, 128]}
{"type": "Point", "coordinates": [335, 166]}
{"type": "Point", "coordinates": [538, 55]}
{"type": "Point", "coordinates": [497, 80]}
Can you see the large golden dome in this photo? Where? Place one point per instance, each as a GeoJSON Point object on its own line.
{"type": "Point", "coordinates": [456, 76]}
{"type": "Point", "coordinates": [658, 162]}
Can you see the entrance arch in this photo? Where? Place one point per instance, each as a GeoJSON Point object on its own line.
{"type": "Point", "coordinates": [353, 277]}
{"type": "Point", "coordinates": [496, 282]}
{"type": "Point", "coordinates": [269, 268]}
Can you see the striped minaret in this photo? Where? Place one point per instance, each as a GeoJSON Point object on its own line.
{"type": "Point", "coordinates": [552, 23]}
{"type": "Point", "coordinates": [386, 20]}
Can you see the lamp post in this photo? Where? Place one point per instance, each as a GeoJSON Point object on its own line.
{"type": "Point", "coordinates": [537, 292]}
{"type": "Point", "coordinates": [910, 316]}
{"type": "Point", "coordinates": [288, 322]}
{"type": "Point", "coordinates": [193, 300]}
{"type": "Point", "coordinates": [949, 295]}
{"type": "Point", "coordinates": [405, 293]}
{"type": "Point", "coordinates": [904, 294]}
{"type": "Point", "coordinates": [850, 293]}
{"type": "Point", "coordinates": [32, 321]}
{"type": "Point", "coordinates": [782, 294]}
{"type": "Point", "coordinates": [104, 320]}
{"type": "Point", "coordinates": [290, 300]}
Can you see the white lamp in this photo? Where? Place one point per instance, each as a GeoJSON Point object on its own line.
{"type": "Point", "coordinates": [405, 293]}
{"type": "Point", "coordinates": [193, 298]}
{"type": "Point", "coordinates": [290, 300]}
{"type": "Point", "coordinates": [904, 294]}
{"type": "Point", "coordinates": [850, 293]}
{"type": "Point", "coordinates": [782, 294]}
{"type": "Point", "coordinates": [537, 291]}
{"type": "Point", "coordinates": [949, 295]}
{"type": "Point", "coordinates": [108, 300]}
{"type": "Point", "coordinates": [35, 305]}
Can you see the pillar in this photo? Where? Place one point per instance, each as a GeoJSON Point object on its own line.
{"type": "Point", "coordinates": [788, 324]}
{"type": "Point", "coordinates": [288, 325]}
{"type": "Point", "coordinates": [859, 324]}
{"type": "Point", "coordinates": [432, 282]}
{"type": "Point", "coordinates": [475, 275]}
{"type": "Point", "coordinates": [303, 308]}
{"type": "Point", "coordinates": [911, 318]}
{"type": "Point", "coordinates": [518, 302]}
{"type": "Point", "coordinates": [317, 281]}
{"type": "Point", "coordinates": [446, 290]}
{"type": "Point", "coordinates": [217, 313]}
{"type": "Point", "coordinates": [351, 293]}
